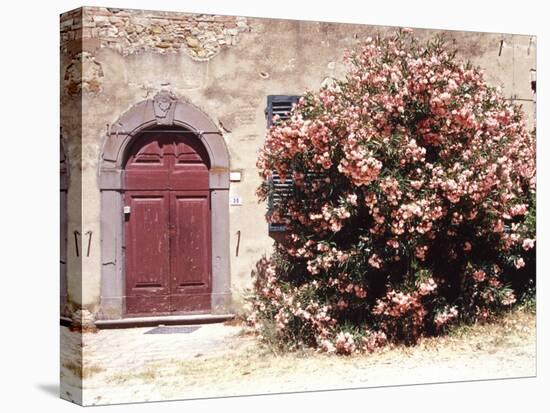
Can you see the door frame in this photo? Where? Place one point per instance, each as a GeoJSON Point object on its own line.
{"type": "Point", "coordinates": [165, 109]}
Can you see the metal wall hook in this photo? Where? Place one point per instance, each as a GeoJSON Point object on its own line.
{"type": "Point", "coordinates": [238, 243]}
{"type": "Point", "coordinates": [89, 234]}
{"type": "Point", "coordinates": [76, 235]}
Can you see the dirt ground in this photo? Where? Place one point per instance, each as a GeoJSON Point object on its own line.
{"type": "Point", "coordinates": [218, 360]}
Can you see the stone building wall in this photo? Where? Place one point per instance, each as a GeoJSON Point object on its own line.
{"type": "Point", "coordinates": [112, 59]}
{"type": "Point", "coordinates": [137, 31]}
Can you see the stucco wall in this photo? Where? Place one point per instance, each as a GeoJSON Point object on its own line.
{"type": "Point", "coordinates": [226, 66]}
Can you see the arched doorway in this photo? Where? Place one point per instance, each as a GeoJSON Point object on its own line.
{"type": "Point", "coordinates": [164, 128]}
{"type": "Point", "coordinates": [167, 224]}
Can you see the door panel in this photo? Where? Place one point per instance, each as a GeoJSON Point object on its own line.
{"type": "Point", "coordinates": [190, 250]}
{"type": "Point", "coordinates": [190, 167]}
{"type": "Point", "coordinates": [147, 252]}
{"type": "Point", "coordinates": [150, 162]}
{"type": "Point", "coordinates": [152, 180]}
{"type": "Point", "coordinates": [189, 178]}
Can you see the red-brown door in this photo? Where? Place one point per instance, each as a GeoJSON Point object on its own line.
{"type": "Point", "coordinates": [167, 236]}
{"type": "Point", "coordinates": [190, 243]}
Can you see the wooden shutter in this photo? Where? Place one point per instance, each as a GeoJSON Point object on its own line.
{"type": "Point", "coordinates": [279, 105]}
{"type": "Point", "coordinates": [281, 189]}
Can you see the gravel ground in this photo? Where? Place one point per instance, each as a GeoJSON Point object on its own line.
{"type": "Point", "coordinates": [128, 365]}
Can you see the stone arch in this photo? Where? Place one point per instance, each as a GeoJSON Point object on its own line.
{"type": "Point", "coordinates": [165, 109]}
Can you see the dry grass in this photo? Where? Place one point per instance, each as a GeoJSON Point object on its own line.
{"type": "Point", "coordinates": [235, 321]}
{"type": "Point", "coordinates": [506, 330]}
{"type": "Point", "coordinates": [149, 374]}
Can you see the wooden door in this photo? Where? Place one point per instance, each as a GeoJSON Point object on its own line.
{"type": "Point", "coordinates": [167, 229]}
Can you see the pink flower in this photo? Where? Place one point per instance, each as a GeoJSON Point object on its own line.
{"type": "Point", "coordinates": [375, 261]}
{"type": "Point", "coordinates": [479, 276]}
{"type": "Point", "coordinates": [416, 184]}
{"type": "Point", "coordinates": [352, 199]}
{"type": "Point", "coordinates": [509, 298]}
{"type": "Point", "coordinates": [393, 243]}
{"type": "Point", "coordinates": [447, 315]}
{"type": "Point", "coordinates": [499, 226]}
{"type": "Point", "coordinates": [528, 244]}
{"type": "Point", "coordinates": [360, 292]}
{"type": "Point", "coordinates": [520, 209]}
{"type": "Point", "coordinates": [327, 346]}
{"type": "Point", "coordinates": [519, 263]}
{"type": "Point", "coordinates": [345, 344]}
{"type": "Point", "coordinates": [420, 252]}
{"type": "Point", "coordinates": [427, 287]}
{"type": "Point", "coordinates": [342, 304]}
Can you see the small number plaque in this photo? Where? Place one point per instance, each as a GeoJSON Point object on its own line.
{"type": "Point", "coordinates": [235, 200]}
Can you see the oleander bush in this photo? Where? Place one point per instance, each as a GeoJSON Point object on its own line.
{"type": "Point", "coordinates": [413, 206]}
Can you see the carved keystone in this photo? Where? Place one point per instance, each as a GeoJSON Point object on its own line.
{"type": "Point", "coordinates": [164, 105]}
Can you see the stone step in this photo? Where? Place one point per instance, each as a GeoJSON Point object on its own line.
{"type": "Point", "coordinates": [163, 320]}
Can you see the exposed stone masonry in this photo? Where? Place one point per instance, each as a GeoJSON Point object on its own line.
{"type": "Point", "coordinates": [135, 31]}
{"type": "Point", "coordinates": [83, 73]}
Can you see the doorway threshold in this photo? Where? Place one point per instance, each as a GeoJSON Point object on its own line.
{"type": "Point", "coordinates": [155, 321]}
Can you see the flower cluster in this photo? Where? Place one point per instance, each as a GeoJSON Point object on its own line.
{"type": "Point", "coordinates": [445, 317]}
{"type": "Point", "coordinates": [345, 344]}
{"type": "Point", "coordinates": [413, 200]}
{"type": "Point", "coordinates": [373, 340]}
{"type": "Point", "coordinates": [401, 315]}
